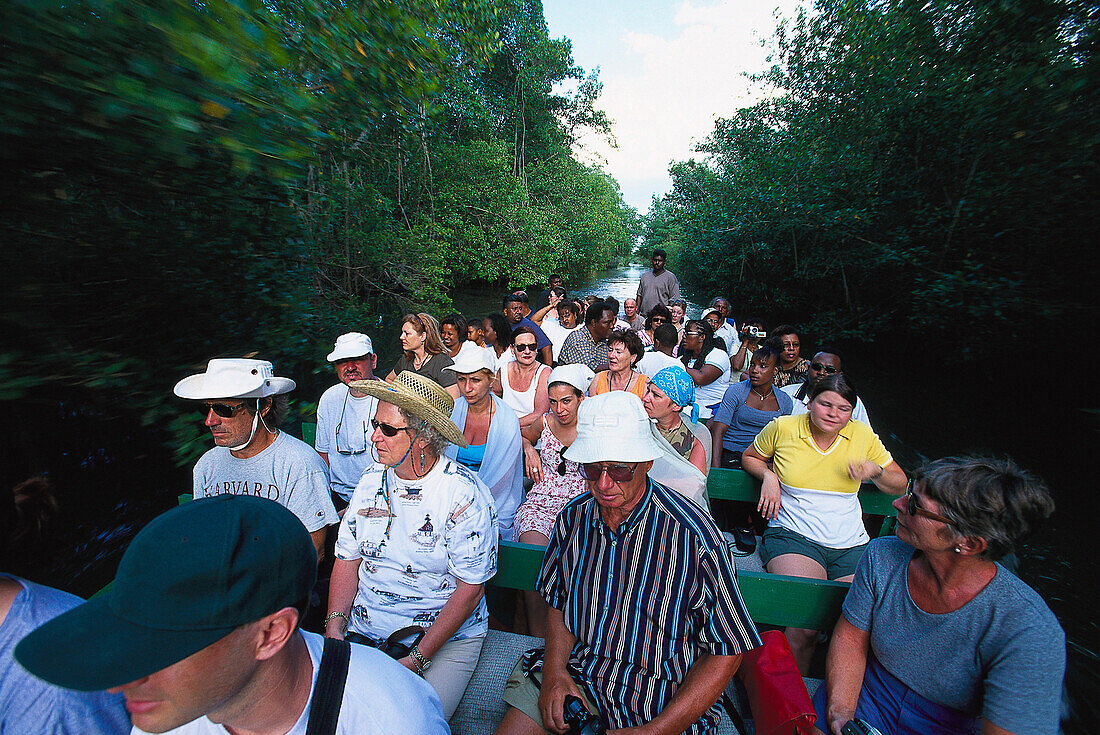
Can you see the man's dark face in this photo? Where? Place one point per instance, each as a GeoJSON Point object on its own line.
{"type": "Point", "coordinates": [819, 367]}
{"type": "Point", "coordinates": [556, 283]}
{"type": "Point", "coordinates": [723, 307]}
{"type": "Point", "coordinates": [514, 312]}
{"type": "Point", "coordinates": [603, 326]}
{"type": "Point", "coordinates": [658, 263]}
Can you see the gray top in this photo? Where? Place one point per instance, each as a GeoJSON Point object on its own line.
{"type": "Point", "coordinates": [289, 472]}
{"type": "Point", "coordinates": [744, 421]}
{"type": "Point", "coordinates": [1001, 656]}
{"type": "Point", "coordinates": [30, 706]}
{"type": "Point", "coordinates": [656, 289]}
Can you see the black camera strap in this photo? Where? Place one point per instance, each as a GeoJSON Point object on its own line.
{"type": "Point", "coordinates": [328, 692]}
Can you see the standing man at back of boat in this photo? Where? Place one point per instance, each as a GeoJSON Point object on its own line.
{"type": "Point", "coordinates": [243, 403]}
{"type": "Point", "coordinates": [657, 286]}
{"type": "Point", "coordinates": [344, 416]}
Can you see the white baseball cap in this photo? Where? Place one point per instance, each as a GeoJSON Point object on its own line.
{"type": "Point", "coordinates": [613, 427]}
{"type": "Point", "coordinates": [352, 344]}
{"type": "Point", "coordinates": [470, 361]}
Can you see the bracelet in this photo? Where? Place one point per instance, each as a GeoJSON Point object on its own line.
{"type": "Point", "coordinates": [418, 658]}
{"type": "Point", "coordinates": [331, 615]}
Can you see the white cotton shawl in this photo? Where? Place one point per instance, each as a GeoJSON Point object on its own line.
{"type": "Point", "coordinates": [502, 468]}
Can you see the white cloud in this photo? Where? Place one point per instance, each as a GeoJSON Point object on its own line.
{"type": "Point", "coordinates": [679, 84]}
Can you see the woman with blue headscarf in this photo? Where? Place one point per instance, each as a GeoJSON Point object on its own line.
{"type": "Point", "coordinates": [669, 392]}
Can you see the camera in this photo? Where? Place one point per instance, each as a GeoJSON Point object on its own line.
{"type": "Point", "coordinates": [859, 727]}
{"type": "Point", "coordinates": [751, 332]}
{"type": "Point", "coordinates": [580, 720]}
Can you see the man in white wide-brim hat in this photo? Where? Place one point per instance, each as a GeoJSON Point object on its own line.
{"type": "Point", "coordinates": [640, 586]}
{"type": "Point", "coordinates": [344, 414]}
{"type": "Point", "coordinates": [243, 403]}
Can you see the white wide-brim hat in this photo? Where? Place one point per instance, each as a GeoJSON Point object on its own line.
{"type": "Point", "coordinates": [577, 375]}
{"type": "Point", "coordinates": [352, 344]}
{"type": "Point", "coordinates": [233, 378]}
{"type": "Point", "coordinates": [470, 361]}
{"type": "Point", "coordinates": [613, 427]}
{"type": "Point", "coordinates": [420, 396]}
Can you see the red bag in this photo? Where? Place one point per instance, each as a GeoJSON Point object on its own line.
{"type": "Point", "coordinates": [777, 695]}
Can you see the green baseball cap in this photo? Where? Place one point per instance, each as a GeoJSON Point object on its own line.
{"type": "Point", "coordinates": [188, 579]}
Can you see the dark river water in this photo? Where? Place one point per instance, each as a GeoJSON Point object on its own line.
{"type": "Point", "coordinates": [118, 477]}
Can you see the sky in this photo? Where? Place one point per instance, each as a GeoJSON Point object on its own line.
{"type": "Point", "coordinates": [669, 69]}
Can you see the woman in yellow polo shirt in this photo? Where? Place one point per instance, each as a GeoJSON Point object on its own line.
{"type": "Point", "coordinates": [809, 495]}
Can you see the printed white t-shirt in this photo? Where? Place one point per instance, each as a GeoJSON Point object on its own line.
{"type": "Point", "coordinates": [711, 393]}
{"type": "Point", "coordinates": [416, 539]}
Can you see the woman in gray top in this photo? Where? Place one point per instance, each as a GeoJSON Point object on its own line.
{"type": "Point", "coordinates": [937, 638]}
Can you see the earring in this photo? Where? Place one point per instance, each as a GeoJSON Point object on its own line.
{"type": "Point", "coordinates": [423, 459]}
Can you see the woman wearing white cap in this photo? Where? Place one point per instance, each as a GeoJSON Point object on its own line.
{"type": "Point", "coordinates": [491, 431]}
{"type": "Point", "coordinates": [418, 541]}
{"type": "Point", "coordinates": [557, 480]}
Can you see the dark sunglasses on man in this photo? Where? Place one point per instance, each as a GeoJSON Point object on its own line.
{"type": "Point", "coordinates": [224, 410]}
{"type": "Point", "coordinates": [827, 369]}
{"type": "Point", "coordinates": [617, 472]}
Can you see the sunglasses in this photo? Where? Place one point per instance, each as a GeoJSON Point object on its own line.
{"type": "Point", "coordinates": [388, 429]}
{"type": "Point", "coordinates": [829, 369]}
{"type": "Point", "coordinates": [221, 409]}
{"type": "Point", "coordinates": [693, 334]}
{"type": "Point", "coordinates": [659, 320]}
{"type": "Point", "coordinates": [561, 465]}
{"type": "Point", "coordinates": [525, 347]}
{"type": "Point", "coordinates": [617, 472]}
{"type": "Point", "coordinates": [915, 510]}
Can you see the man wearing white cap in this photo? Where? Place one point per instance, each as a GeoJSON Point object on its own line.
{"type": "Point", "coordinates": [242, 403]}
{"type": "Point", "coordinates": [344, 415]}
{"type": "Point", "coordinates": [646, 625]}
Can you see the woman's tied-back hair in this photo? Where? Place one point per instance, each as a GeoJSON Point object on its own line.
{"type": "Point", "coordinates": [503, 329]}
{"type": "Point", "coordinates": [458, 322]}
{"type": "Point", "coordinates": [629, 339]}
{"type": "Point", "coordinates": [710, 342]}
{"type": "Point", "coordinates": [987, 497]}
{"type": "Point", "coordinates": [425, 324]}
{"type": "Point", "coordinates": [837, 383]}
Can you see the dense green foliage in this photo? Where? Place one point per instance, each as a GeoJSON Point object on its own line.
{"type": "Point", "coordinates": [921, 169]}
{"type": "Point", "coordinates": [186, 180]}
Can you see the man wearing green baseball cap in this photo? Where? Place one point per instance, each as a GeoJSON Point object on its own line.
{"type": "Point", "coordinates": [200, 633]}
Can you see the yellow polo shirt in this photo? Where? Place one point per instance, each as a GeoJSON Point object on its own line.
{"type": "Point", "coordinates": [818, 497]}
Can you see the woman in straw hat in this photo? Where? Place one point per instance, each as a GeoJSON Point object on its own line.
{"type": "Point", "coordinates": [418, 540]}
{"type": "Point", "coordinates": [493, 447]}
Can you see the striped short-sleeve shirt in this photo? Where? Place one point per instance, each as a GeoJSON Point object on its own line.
{"type": "Point", "coordinates": [644, 601]}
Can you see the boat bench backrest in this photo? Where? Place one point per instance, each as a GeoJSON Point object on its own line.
{"type": "Point", "coordinates": [771, 599]}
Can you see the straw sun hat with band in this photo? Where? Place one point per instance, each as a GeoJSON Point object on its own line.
{"type": "Point", "coordinates": [421, 397]}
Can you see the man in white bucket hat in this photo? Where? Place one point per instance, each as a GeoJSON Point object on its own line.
{"type": "Point", "coordinates": [646, 624]}
{"type": "Point", "coordinates": [242, 403]}
{"type": "Point", "coordinates": [344, 414]}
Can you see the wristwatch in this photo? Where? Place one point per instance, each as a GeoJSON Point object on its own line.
{"type": "Point", "coordinates": [418, 658]}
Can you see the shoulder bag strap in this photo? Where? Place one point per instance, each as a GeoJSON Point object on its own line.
{"type": "Point", "coordinates": [328, 692]}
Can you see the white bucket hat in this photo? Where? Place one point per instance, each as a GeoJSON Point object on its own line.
{"type": "Point", "coordinates": [233, 378]}
{"type": "Point", "coordinates": [577, 375]}
{"type": "Point", "coordinates": [471, 361]}
{"type": "Point", "coordinates": [613, 427]}
{"type": "Point", "coordinates": [352, 344]}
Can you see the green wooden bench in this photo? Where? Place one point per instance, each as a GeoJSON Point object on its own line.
{"type": "Point", "coordinates": [725, 484]}
{"type": "Point", "coordinates": [771, 599]}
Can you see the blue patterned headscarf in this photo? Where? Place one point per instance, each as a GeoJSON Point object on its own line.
{"type": "Point", "coordinates": [679, 387]}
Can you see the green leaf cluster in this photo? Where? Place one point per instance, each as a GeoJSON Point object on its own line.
{"type": "Point", "coordinates": [189, 180]}
{"type": "Point", "coordinates": [915, 169]}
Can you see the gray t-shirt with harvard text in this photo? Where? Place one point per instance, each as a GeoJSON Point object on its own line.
{"type": "Point", "coordinates": [289, 472]}
{"type": "Point", "coordinates": [1001, 656]}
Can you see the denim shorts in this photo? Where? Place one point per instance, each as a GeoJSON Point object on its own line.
{"type": "Point", "coordinates": [836, 562]}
